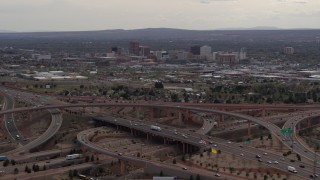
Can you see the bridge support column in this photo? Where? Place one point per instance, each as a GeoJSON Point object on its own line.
{"type": "Point", "coordinates": [183, 148]}
{"type": "Point", "coordinates": [188, 148]}
{"type": "Point", "coordinates": [179, 117]}
{"type": "Point", "coordinates": [187, 117]}
{"type": "Point", "coordinates": [264, 114]}
{"type": "Point", "coordinates": [122, 166]}
{"type": "Point", "coordinates": [309, 123]}
{"type": "Point", "coordinates": [30, 115]}
{"type": "Point", "coordinates": [249, 129]}
{"type": "Point", "coordinates": [221, 117]}
{"type": "Point", "coordinates": [164, 141]}
{"type": "Point", "coordinates": [138, 112]}
{"type": "Point", "coordinates": [152, 112]}
{"type": "Point", "coordinates": [147, 136]}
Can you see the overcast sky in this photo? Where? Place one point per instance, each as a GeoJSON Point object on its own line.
{"type": "Point", "coordinates": [57, 15]}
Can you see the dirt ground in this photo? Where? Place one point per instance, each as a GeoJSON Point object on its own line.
{"type": "Point", "coordinates": [236, 165]}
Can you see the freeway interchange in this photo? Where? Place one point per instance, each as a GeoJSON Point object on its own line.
{"type": "Point", "coordinates": [167, 132]}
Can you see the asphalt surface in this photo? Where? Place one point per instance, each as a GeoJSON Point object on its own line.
{"type": "Point", "coordinates": [271, 127]}
{"type": "Point", "coordinates": [295, 142]}
{"type": "Point", "coordinates": [10, 124]}
{"type": "Point", "coordinates": [223, 145]}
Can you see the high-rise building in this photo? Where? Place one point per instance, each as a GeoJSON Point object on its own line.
{"type": "Point", "coordinates": [116, 50]}
{"type": "Point", "coordinates": [227, 58]}
{"type": "Point", "coordinates": [144, 50]}
{"type": "Point", "coordinates": [206, 51]}
{"type": "Point", "coordinates": [288, 50]}
{"type": "Point", "coordinates": [243, 54]}
{"type": "Point", "coordinates": [134, 48]}
{"type": "Point", "coordinates": [195, 50]}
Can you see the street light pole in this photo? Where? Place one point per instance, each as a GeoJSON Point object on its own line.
{"type": "Point", "coordinates": [315, 163]}
{"type": "Point", "coordinates": [292, 136]}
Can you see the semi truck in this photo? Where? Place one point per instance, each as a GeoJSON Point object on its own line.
{"type": "Point", "coordinates": [292, 169]}
{"type": "Point", "coordinates": [73, 156]}
{"type": "Point", "coordinates": [155, 128]}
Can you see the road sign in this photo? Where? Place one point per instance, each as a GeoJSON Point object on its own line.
{"type": "Point", "coordinates": [286, 131]}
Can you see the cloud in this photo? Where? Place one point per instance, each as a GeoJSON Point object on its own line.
{"type": "Point", "coordinates": [209, 1]}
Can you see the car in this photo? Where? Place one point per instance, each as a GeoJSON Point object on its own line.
{"type": "Point", "coordinates": [217, 175]}
{"type": "Point", "coordinates": [258, 156]}
{"type": "Point", "coordinates": [302, 166]}
{"type": "Point", "coordinates": [260, 160]}
{"type": "Point", "coordinates": [115, 120]}
{"type": "Point", "coordinates": [269, 162]}
{"type": "Point", "coordinates": [120, 154]}
{"type": "Point", "coordinates": [184, 168]}
{"type": "Point", "coordinates": [214, 145]}
{"type": "Point", "coordinates": [241, 146]}
{"type": "Point", "coordinates": [175, 133]}
{"type": "Point", "coordinates": [229, 142]}
{"type": "Point", "coordinates": [265, 153]}
{"type": "Point", "coordinates": [282, 159]}
{"type": "Point", "coordinates": [275, 162]}
{"type": "Point", "coordinates": [292, 160]}
{"type": "Point", "coordinates": [313, 175]}
{"type": "Point", "coordinates": [241, 154]}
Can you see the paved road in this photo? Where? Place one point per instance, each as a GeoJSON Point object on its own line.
{"type": "Point", "coordinates": [10, 124]}
{"type": "Point", "coordinates": [223, 145]}
{"type": "Point", "coordinates": [293, 140]}
{"type": "Point", "coordinates": [84, 140]}
{"type": "Point", "coordinates": [30, 98]}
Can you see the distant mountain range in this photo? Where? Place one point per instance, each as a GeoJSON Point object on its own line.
{"type": "Point", "coordinates": [5, 31]}
{"type": "Point", "coordinates": [257, 33]}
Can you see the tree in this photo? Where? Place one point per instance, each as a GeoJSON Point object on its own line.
{"type": "Point", "coordinates": [298, 157]}
{"type": "Point", "coordinates": [158, 85]}
{"type": "Point", "coordinates": [26, 168]}
{"type": "Point", "coordinates": [198, 177]}
{"type": "Point", "coordinates": [174, 97]}
{"type": "Point", "coordinates": [16, 171]}
{"type": "Point", "coordinates": [87, 158]}
{"type": "Point", "coordinates": [70, 174]}
{"type": "Point", "coordinates": [191, 177]}
{"type": "Point", "coordinates": [6, 162]}
{"type": "Point", "coordinates": [75, 172]}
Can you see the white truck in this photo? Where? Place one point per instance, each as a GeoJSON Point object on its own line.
{"type": "Point", "coordinates": [292, 169]}
{"type": "Point", "coordinates": [155, 128]}
{"type": "Point", "coordinates": [73, 156]}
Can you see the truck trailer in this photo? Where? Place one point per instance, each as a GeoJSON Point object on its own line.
{"type": "Point", "coordinates": [292, 169]}
{"type": "Point", "coordinates": [73, 156]}
{"type": "Point", "coordinates": [155, 128]}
